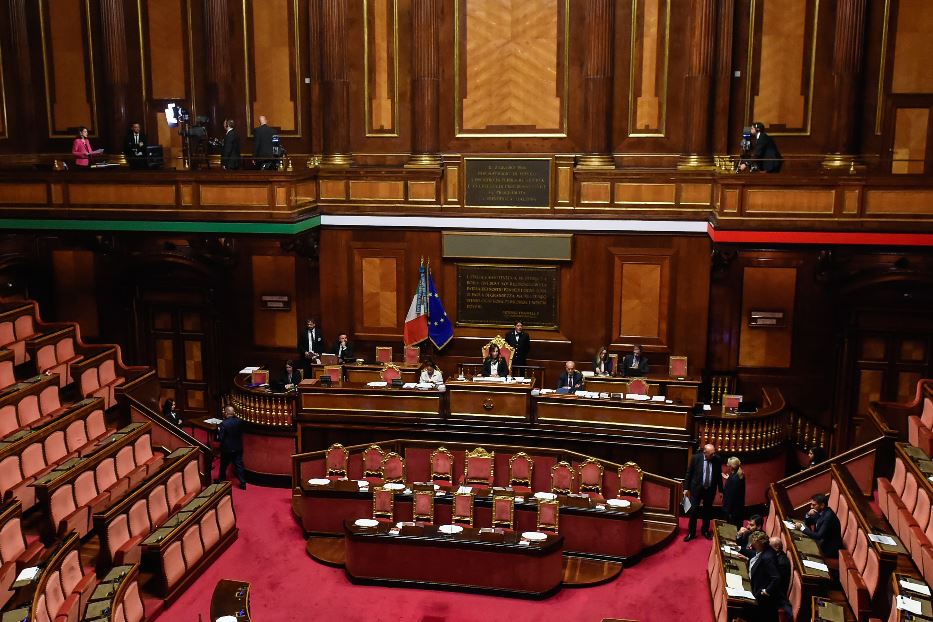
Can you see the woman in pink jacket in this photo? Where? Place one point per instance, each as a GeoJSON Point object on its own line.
{"type": "Point", "coordinates": [81, 149]}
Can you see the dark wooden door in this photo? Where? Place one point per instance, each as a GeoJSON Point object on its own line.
{"type": "Point", "coordinates": [182, 355]}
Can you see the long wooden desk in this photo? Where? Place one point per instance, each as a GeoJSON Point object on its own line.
{"type": "Point", "coordinates": [682, 391]}
{"type": "Point", "coordinates": [358, 400]}
{"type": "Point", "coordinates": [571, 409]}
{"type": "Point", "coordinates": [361, 373]}
{"type": "Point", "coordinates": [473, 559]}
{"type": "Point", "coordinates": [511, 400]}
{"type": "Point", "coordinates": [612, 533]}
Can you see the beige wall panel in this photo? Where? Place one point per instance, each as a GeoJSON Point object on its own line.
{"type": "Point", "coordinates": [234, 195]}
{"type": "Point", "coordinates": [645, 193]}
{"type": "Point", "coordinates": [452, 180]}
{"type": "Point", "coordinates": [123, 194]}
{"type": "Point", "coordinates": [767, 289]}
{"type": "Point", "coordinates": [379, 292]}
{"type": "Point", "coordinates": [641, 300]}
{"type": "Point", "coordinates": [377, 190]}
{"type": "Point", "coordinates": [381, 48]}
{"type": "Point", "coordinates": [333, 189]}
{"type": "Point", "coordinates": [913, 47]}
{"type": "Point", "coordinates": [272, 58]}
{"type": "Point", "coordinates": [789, 201]}
{"type": "Point", "coordinates": [595, 192]}
{"type": "Point", "coordinates": [564, 184]}
{"type": "Point", "coordinates": [889, 202]}
{"type": "Point", "coordinates": [306, 191]}
{"type": "Point", "coordinates": [66, 53]}
{"type": "Point", "coordinates": [421, 190]}
{"type": "Point", "coordinates": [23, 193]}
{"type": "Point", "coordinates": [511, 55]}
{"type": "Point", "coordinates": [166, 50]}
{"type": "Point", "coordinates": [696, 194]}
{"type": "Point", "coordinates": [75, 289]}
{"type": "Point", "coordinates": [728, 200]}
{"type": "Point", "coordinates": [910, 140]}
{"type": "Point", "coordinates": [648, 79]}
{"type": "Point", "coordinates": [274, 276]}
{"type": "Point", "coordinates": [850, 201]}
{"type": "Point", "coordinates": [784, 56]}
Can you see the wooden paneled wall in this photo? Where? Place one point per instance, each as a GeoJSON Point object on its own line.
{"type": "Point", "coordinates": [382, 79]}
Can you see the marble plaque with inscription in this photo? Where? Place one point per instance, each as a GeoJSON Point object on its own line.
{"type": "Point", "coordinates": [502, 295]}
{"type": "Point", "coordinates": [513, 182]}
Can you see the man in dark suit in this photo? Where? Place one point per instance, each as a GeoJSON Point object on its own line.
{"type": "Point", "coordinates": [230, 153]}
{"type": "Point", "coordinates": [343, 348]}
{"type": "Point", "coordinates": [495, 365]}
{"type": "Point", "coordinates": [521, 343]}
{"type": "Point", "coordinates": [822, 525]}
{"type": "Point", "coordinates": [635, 364]}
{"type": "Point", "coordinates": [134, 147]}
{"type": "Point", "coordinates": [742, 536]}
{"type": "Point", "coordinates": [782, 563]}
{"type": "Point", "coordinates": [230, 434]}
{"type": "Point", "coordinates": [310, 344]}
{"type": "Point", "coordinates": [262, 145]}
{"type": "Point", "coordinates": [703, 479]}
{"type": "Point", "coordinates": [570, 379]}
{"type": "Point", "coordinates": [765, 579]}
{"type": "Point", "coordinates": [765, 155]}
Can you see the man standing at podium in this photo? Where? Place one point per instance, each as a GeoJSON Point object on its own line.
{"type": "Point", "coordinates": [310, 345]}
{"type": "Point", "coordinates": [521, 343]}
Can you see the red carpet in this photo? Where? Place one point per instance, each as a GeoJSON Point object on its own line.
{"type": "Point", "coordinates": [288, 586]}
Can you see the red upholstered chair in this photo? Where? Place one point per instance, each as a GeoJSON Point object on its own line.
{"type": "Point", "coordinates": [77, 585]}
{"type": "Point", "coordinates": [548, 516]}
{"type": "Point", "coordinates": [384, 504]}
{"type": "Point", "coordinates": [390, 372]}
{"type": "Point", "coordinates": [442, 466]}
{"type": "Point", "coordinates": [795, 593]}
{"type": "Point", "coordinates": [336, 459]}
{"type": "Point", "coordinates": [7, 377]}
{"type": "Point", "coordinates": [423, 505]}
{"type": "Point", "coordinates": [505, 351]}
{"type": "Point", "coordinates": [191, 546]}
{"type": "Point", "coordinates": [591, 478]}
{"type": "Point", "coordinates": [226, 517]}
{"type": "Point", "coordinates": [8, 421]}
{"type": "Point", "coordinates": [630, 478]}
{"type": "Point", "coordinates": [521, 467]}
{"type": "Point", "coordinates": [412, 355]}
{"type": "Point", "coordinates": [479, 469]}
{"type": "Point", "coordinates": [503, 512]}
{"type": "Point", "coordinates": [335, 372]}
{"type": "Point", "coordinates": [850, 535]}
{"type": "Point", "coordinates": [731, 402]}
{"type": "Point", "coordinates": [133, 607]}
{"type": "Point", "coordinates": [920, 429]}
{"type": "Point", "coordinates": [372, 464]}
{"type": "Point", "coordinates": [210, 532]}
{"type": "Point", "coordinates": [677, 367]}
{"type": "Point", "coordinates": [393, 468]}
{"type": "Point", "coordinates": [383, 354]}
{"type": "Point", "coordinates": [173, 564]}
{"type": "Point", "coordinates": [462, 512]}
{"type": "Point", "coordinates": [638, 386]}
{"type": "Point", "coordinates": [562, 478]}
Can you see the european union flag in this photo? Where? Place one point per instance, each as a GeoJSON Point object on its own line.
{"type": "Point", "coordinates": [440, 330]}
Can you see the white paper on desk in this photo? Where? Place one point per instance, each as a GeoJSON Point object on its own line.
{"type": "Point", "coordinates": [739, 593]}
{"type": "Point", "coordinates": [631, 396]}
{"type": "Point", "coordinates": [882, 539]}
{"type": "Point", "coordinates": [377, 383]}
{"type": "Point", "coordinates": [580, 393]}
{"type": "Point", "coordinates": [707, 407]}
{"type": "Point", "coordinates": [588, 374]}
{"type": "Point", "coordinates": [816, 565]}
{"type": "Point", "coordinates": [213, 421]}
{"type": "Point", "coordinates": [28, 574]}
{"type": "Point", "coordinates": [790, 524]}
{"type": "Point", "coordinates": [920, 588]}
{"type": "Point", "coordinates": [909, 604]}
{"type": "Point", "coordinates": [546, 391]}
{"type": "Point", "coordinates": [657, 398]}
{"type": "Point", "coordinates": [465, 489]}
{"type": "Point", "coordinates": [734, 580]}
{"type": "Point", "coordinates": [249, 370]}
{"type": "Point", "coordinates": [730, 550]}
{"type": "Point", "coordinates": [409, 385]}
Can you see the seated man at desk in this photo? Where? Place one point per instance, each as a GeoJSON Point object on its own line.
{"type": "Point", "coordinates": [430, 374]}
{"type": "Point", "coordinates": [495, 366]}
{"type": "Point", "coordinates": [344, 349]}
{"type": "Point", "coordinates": [570, 379]}
{"type": "Point", "coordinates": [635, 364]}
{"type": "Point", "coordinates": [602, 364]}
{"type": "Point", "coordinates": [822, 524]}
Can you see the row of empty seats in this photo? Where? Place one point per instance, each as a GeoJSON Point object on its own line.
{"type": "Point", "coordinates": [62, 587]}
{"type": "Point", "coordinates": [920, 427]}
{"type": "Point", "coordinates": [15, 552]}
{"type": "Point", "coordinates": [17, 325]}
{"type": "Point", "coordinates": [27, 455]}
{"type": "Point", "coordinates": [123, 526]}
{"type": "Point", "coordinates": [54, 353]}
{"type": "Point", "coordinates": [478, 468]}
{"type": "Point", "coordinates": [29, 403]}
{"type": "Point", "coordinates": [70, 495]}
{"type": "Point", "coordinates": [193, 538]}
{"type": "Point", "coordinates": [117, 597]}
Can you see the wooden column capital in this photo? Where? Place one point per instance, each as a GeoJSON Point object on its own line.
{"type": "Point", "coordinates": [599, 26]}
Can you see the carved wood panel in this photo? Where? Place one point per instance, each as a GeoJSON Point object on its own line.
{"type": "Point", "coordinates": [68, 63]}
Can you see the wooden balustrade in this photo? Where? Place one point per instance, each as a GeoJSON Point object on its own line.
{"type": "Point", "coordinates": [806, 434]}
{"type": "Point", "coordinates": [746, 432]}
{"type": "Point", "coordinates": [261, 406]}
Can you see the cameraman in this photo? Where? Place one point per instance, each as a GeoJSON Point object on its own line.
{"type": "Point", "coordinates": [764, 155]}
{"type": "Point", "coordinates": [262, 145]}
